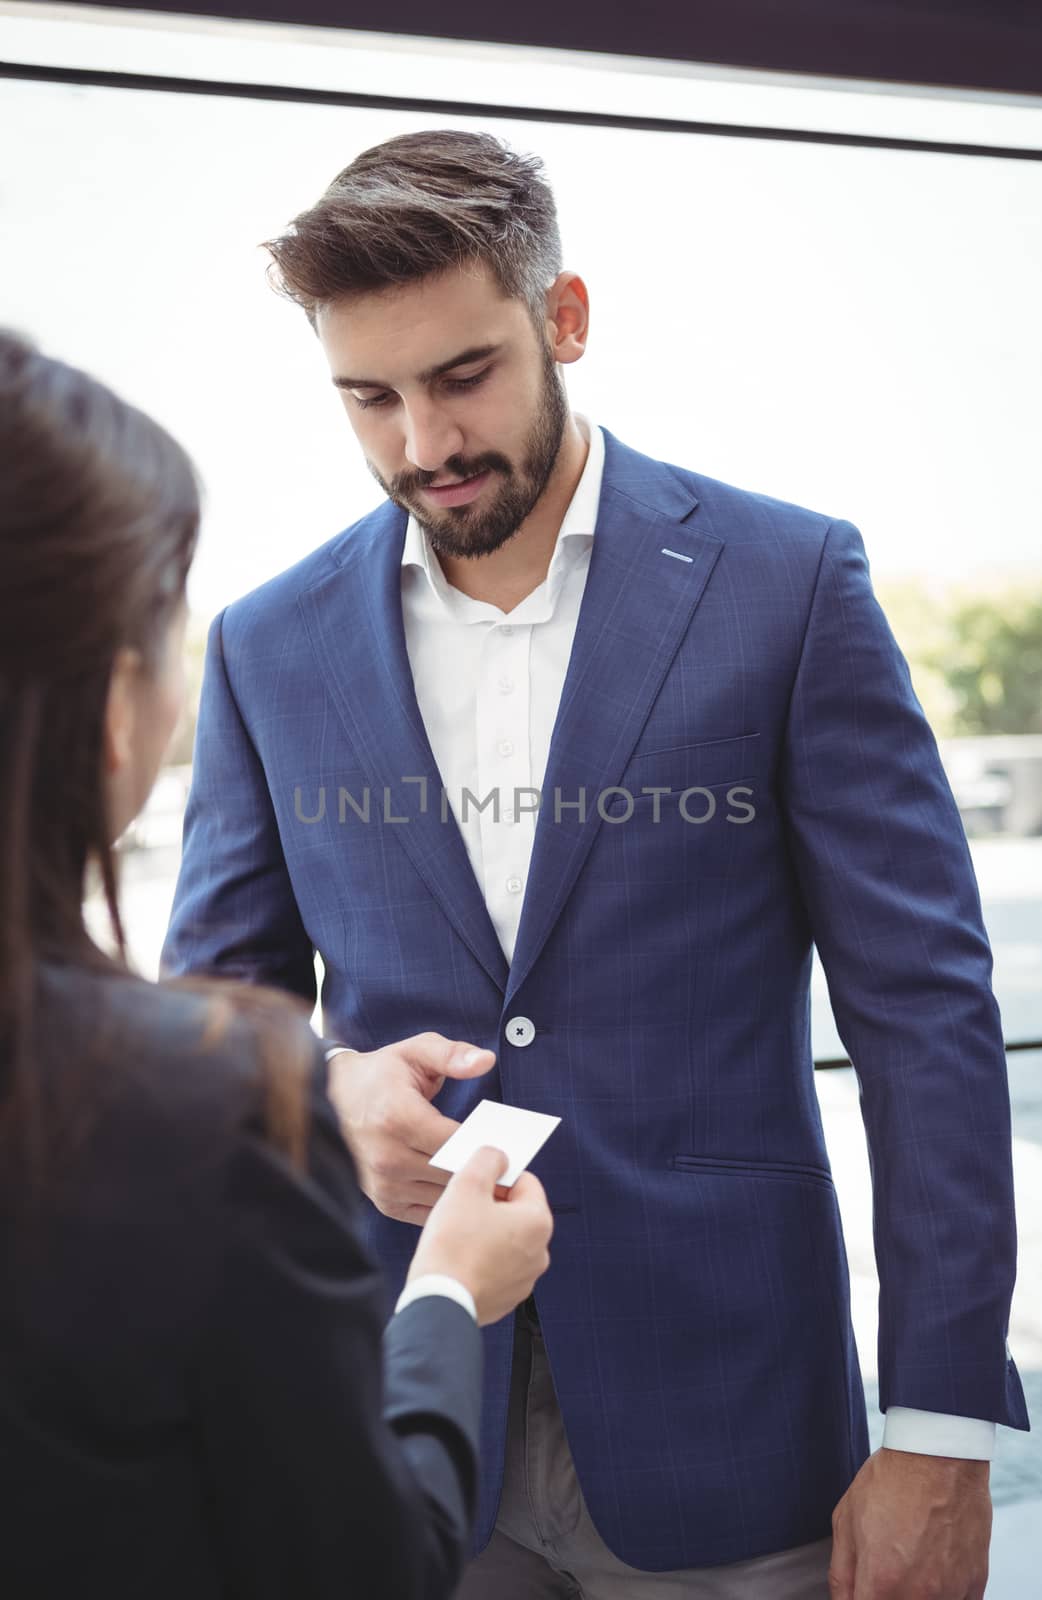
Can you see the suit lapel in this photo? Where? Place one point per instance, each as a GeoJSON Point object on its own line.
{"type": "Point", "coordinates": [354, 621]}
{"type": "Point", "coordinates": [636, 607]}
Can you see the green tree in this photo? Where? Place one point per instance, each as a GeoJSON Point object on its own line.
{"type": "Point", "coordinates": [991, 661]}
{"type": "Point", "coordinates": [918, 612]}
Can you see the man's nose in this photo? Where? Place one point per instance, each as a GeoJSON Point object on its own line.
{"type": "Point", "coordinates": [430, 437]}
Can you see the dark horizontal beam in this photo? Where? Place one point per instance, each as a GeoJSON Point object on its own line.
{"type": "Point", "coordinates": [98, 78]}
{"type": "Point", "coordinates": [971, 44]}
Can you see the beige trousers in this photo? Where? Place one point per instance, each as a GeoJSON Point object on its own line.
{"type": "Point", "coordinates": [545, 1547]}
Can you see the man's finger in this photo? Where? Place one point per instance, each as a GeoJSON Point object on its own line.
{"type": "Point", "coordinates": [427, 1128]}
{"type": "Point", "coordinates": [448, 1058]}
{"type": "Point", "coordinates": [416, 1168]}
{"type": "Point", "coordinates": [401, 1164]}
{"type": "Point", "coordinates": [399, 1197]}
{"type": "Point", "coordinates": [467, 1061]}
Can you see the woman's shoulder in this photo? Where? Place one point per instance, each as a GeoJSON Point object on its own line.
{"type": "Point", "coordinates": [110, 1012]}
{"type": "Point", "coordinates": [184, 1059]}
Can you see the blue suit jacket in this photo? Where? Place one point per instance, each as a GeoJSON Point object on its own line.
{"type": "Point", "coordinates": [696, 1312]}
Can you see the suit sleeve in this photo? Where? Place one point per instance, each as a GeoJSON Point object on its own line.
{"type": "Point", "coordinates": [888, 882]}
{"type": "Point", "coordinates": [338, 1458]}
{"type": "Point", "coordinates": [234, 912]}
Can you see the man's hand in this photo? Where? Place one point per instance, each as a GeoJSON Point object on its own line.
{"type": "Point", "coordinates": [912, 1527]}
{"type": "Point", "coordinates": [383, 1101]}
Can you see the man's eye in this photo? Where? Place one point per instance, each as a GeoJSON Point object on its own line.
{"type": "Point", "coordinates": [450, 383]}
{"type": "Point", "coordinates": [468, 383]}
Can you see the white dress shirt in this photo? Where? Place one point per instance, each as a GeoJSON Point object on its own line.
{"type": "Point", "coordinates": [488, 684]}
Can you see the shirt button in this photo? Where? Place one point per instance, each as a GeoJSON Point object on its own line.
{"type": "Point", "coordinates": [508, 815]}
{"type": "Point", "coordinates": [505, 747]}
{"type": "Point", "coordinates": [514, 885]}
{"type": "Point", "coordinates": [506, 685]}
{"type": "Point", "coordinates": [520, 1031]}
{"type": "Point", "coordinates": [506, 630]}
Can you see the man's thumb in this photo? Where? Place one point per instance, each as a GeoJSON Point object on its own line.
{"type": "Point", "coordinates": [466, 1061]}
{"type": "Point", "coordinates": [486, 1166]}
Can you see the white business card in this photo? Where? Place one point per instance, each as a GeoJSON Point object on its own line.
{"type": "Point", "coordinates": [519, 1133]}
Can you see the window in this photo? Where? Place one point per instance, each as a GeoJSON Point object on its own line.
{"type": "Point", "coordinates": [852, 326]}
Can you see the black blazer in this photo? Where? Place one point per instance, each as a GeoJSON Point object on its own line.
{"type": "Point", "coordinates": [198, 1397]}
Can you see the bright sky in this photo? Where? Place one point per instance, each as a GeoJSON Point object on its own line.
{"type": "Point", "coordinates": [855, 330]}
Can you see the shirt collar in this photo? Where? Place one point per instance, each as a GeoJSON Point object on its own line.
{"type": "Point", "coordinates": [573, 540]}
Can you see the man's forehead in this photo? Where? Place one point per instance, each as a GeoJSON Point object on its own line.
{"type": "Point", "coordinates": [373, 339]}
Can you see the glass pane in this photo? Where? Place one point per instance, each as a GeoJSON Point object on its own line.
{"type": "Point", "coordinates": [854, 330]}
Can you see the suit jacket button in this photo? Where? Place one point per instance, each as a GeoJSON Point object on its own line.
{"type": "Point", "coordinates": [520, 1031]}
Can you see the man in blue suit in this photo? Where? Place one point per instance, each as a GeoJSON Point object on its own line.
{"type": "Point", "coordinates": [574, 754]}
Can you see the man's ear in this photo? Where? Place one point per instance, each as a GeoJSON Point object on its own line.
{"type": "Point", "coordinates": [568, 316]}
{"type": "Point", "coordinates": [120, 710]}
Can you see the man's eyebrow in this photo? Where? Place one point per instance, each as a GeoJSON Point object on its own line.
{"type": "Point", "coordinates": [476, 352]}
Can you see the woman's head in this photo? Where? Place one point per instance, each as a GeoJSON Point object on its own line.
{"type": "Point", "coordinates": [99, 515]}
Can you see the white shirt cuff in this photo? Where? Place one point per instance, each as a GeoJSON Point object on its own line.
{"type": "Point", "coordinates": [935, 1433]}
{"type": "Point", "coordinates": [437, 1283]}
{"type": "Point", "coordinates": [339, 1049]}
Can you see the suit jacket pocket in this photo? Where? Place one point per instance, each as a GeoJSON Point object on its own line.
{"type": "Point", "coordinates": [705, 764]}
{"type": "Point", "coordinates": [793, 1171]}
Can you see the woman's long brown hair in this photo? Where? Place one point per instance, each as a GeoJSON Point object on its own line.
{"type": "Point", "coordinates": [99, 518]}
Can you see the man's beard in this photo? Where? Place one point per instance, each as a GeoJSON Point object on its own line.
{"type": "Point", "coordinates": [469, 531]}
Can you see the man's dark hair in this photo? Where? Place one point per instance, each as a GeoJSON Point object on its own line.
{"type": "Point", "coordinates": [417, 205]}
